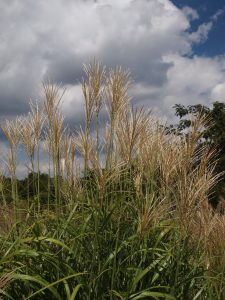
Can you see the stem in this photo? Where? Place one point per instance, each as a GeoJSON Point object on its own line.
{"type": "Point", "coordinates": [110, 146]}
{"type": "Point", "coordinates": [56, 181]}
{"type": "Point", "coordinates": [28, 191]}
{"type": "Point", "coordinates": [97, 134]}
{"type": "Point", "coordinates": [49, 184]}
{"type": "Point", "coordinates": [13, 179]}
{"type": "Point", "coordinates": [38, 176]}
{"type": "Point", "coordinates": [87, 134]}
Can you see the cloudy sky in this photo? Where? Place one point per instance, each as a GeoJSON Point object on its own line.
{"type": "Point", "coordinates": [175, 49]}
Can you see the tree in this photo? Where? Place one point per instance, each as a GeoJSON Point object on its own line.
{"type": "Point", "coordinates": [213, 135]}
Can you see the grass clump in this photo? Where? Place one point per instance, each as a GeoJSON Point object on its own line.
{"type": "Point", "coordinates": [127, 214]}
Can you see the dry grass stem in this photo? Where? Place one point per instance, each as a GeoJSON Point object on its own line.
{"type": "Point", "coordinates": [93, 88]}
{"type": "Point", "coordinates": [117, 92]}
{"type": "Point", "coordinates": [129, 131]}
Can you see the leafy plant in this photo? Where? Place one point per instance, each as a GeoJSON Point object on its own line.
{"type": "Point", "coordinates": [122, 213]}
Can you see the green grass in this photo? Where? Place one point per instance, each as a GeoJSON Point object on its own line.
{"type": "Point", "coordinates": [135, 224]}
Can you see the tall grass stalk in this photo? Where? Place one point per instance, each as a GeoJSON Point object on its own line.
{"type": "Point", "coordinates": [37, 120]}
{"type": "Point", "coordinates": [11, 130]}
{"type": "Point", "coordinates": [95, 89]}
{"type": "Point", "coordinates": [117, 100]}
{"type": "Point", "coordinates": [52, 100]}
{"type": "Point", "coordinates": [133, 222]}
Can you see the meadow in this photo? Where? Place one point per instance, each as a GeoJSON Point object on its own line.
{"type": "Point", "coordinates": [126, 215]}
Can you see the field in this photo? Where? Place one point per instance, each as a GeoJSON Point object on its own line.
{"type": "Point", "coordinates": [126, 213]}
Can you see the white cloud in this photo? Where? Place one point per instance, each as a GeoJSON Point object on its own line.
{"type": "Point", "coordinates": [190, 80]}
{"type": "Point", "coordinates": [218, 14]}
{"type": "Point", "coordinates": [201, 35]}
{"type": "Point", "coordinates": [55, 37]}
{"type": "Point", "coordinates": [152, 38]}
{"type": "Point", "coordinates": [191, 13]}
{"type": "Point", "coordinates": [218, 92]}
{"type": "Point", "coordinates": [72, 101]}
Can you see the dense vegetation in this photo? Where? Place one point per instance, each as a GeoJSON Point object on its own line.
{"type": "Point", "coordinates": [123, 213]}
{"type": "Point", "coordinates": [213, 135]}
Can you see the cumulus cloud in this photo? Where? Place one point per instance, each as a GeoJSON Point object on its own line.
{"type": "Point", "coordinates": [201, 35]}
{"type": "Point", "coordinates": [218, 14]}
{"type": "Point", "coordinates": [218, 92]}
{"type": "Point", "coordinates": [191, 13]}
{"type": "Point", "coordinates": [190, 80]}
{"type": "Point", "coordinates": [193, 79]}
{"type": "Point", "coordinates": [53, 38]}
{"type": "Point", "coordinates": [152, 38]}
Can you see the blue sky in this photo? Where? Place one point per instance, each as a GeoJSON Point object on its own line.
{"type": "Point", "coordinates": [175, 50]}
{"type": "Point", "coordinates": [215, 44]}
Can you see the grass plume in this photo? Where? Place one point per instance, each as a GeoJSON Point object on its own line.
{"type": "Point", "coordinates": [127, 212]}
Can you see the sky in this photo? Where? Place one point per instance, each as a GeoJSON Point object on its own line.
{"type": "Point", "coordinates": [174, 49]}
{"type": "Point", "coordinates": [206, 9]}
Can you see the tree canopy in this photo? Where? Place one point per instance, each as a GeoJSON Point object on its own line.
{"type": "Point", "coordinates": [213, 135]}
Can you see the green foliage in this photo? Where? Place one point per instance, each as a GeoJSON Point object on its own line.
{"type": "Point", "coordinates": [28, 187]}
{"type": "Point", "coordinates": [213, 135]}
{"type": "Point", "coordinates": [98, 255]}
{"type": "Point", "coordinates": [135, 224]}
{"type": "Point", "coordinates": [96, 252]}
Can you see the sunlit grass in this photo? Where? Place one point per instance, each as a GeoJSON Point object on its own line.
{"type": "Point", "coordinates": [132, 223]}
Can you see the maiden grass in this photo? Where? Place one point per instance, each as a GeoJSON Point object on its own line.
{"type": "Point", "coordinates": [135, 225]}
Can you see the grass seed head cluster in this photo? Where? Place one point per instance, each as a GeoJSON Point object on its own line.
{"type": "Point", "coordinates": [126, 215]}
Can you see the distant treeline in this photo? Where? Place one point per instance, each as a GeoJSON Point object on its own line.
{"type": "Point", "coordinates": [27, 187]}
{"type": "Point", "coordinates": [213, 135]}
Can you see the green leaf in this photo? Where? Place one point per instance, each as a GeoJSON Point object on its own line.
{"type": "Point", "coordinates": [2, 292]}
{"type": "Point", "coordinates": [45, 239]}
{"type": "Point", "coordinates": [75, 291]}
{"type": "Point", "coordinates": [118, 295]}
{"type": "Point", "coordinates": [155, 295]}
{"type": "Point", "coordinates": [49, 286]}
{"type": "Point", "coordinates": [141, 273]}
{"type": "Point", "coordinates": [40, 281]}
